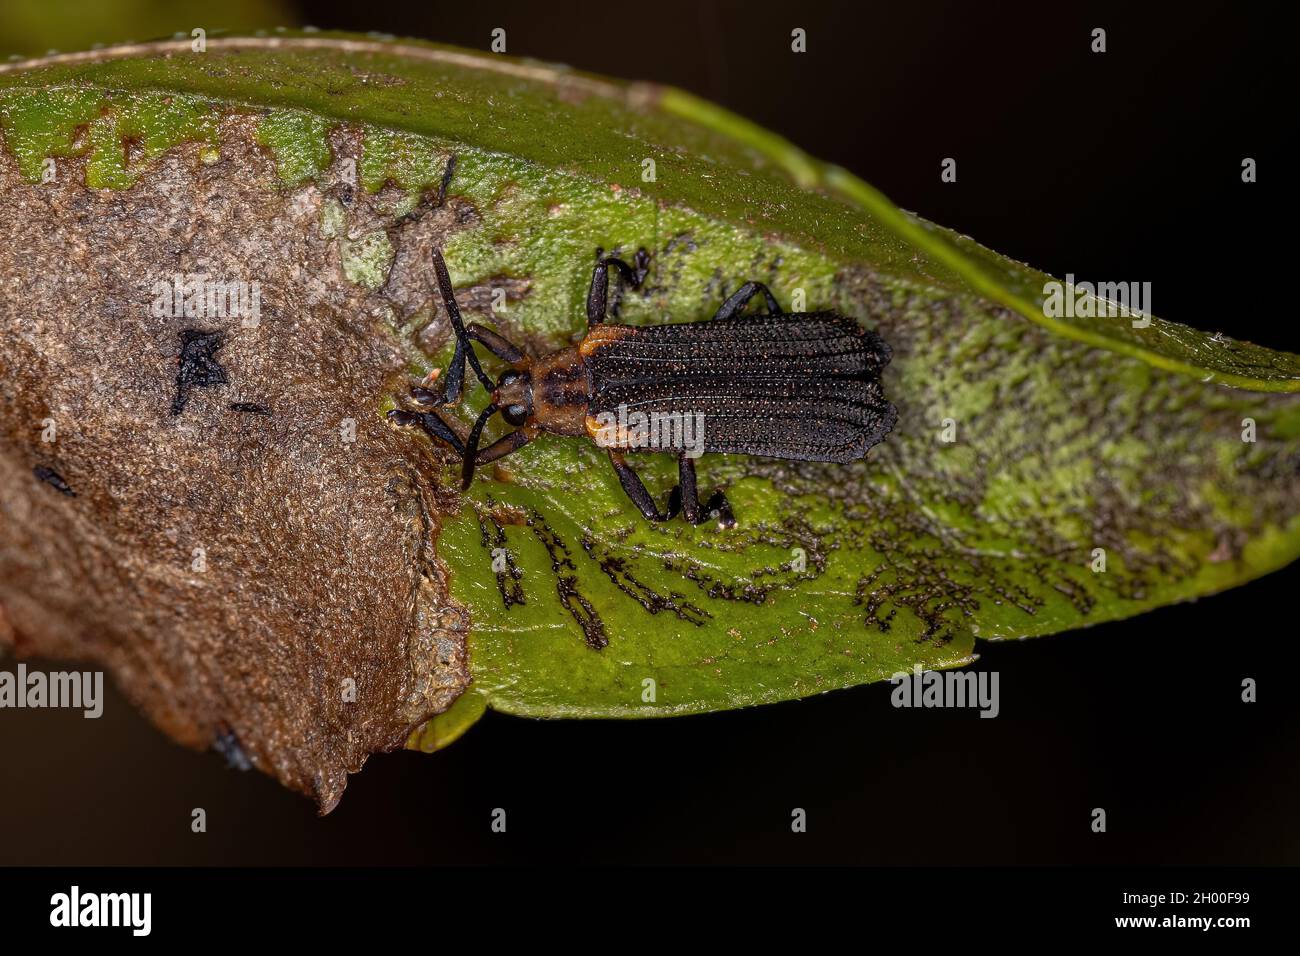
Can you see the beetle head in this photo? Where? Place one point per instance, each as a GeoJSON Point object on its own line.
{"type": "Point", "coordinates": [514, 396]}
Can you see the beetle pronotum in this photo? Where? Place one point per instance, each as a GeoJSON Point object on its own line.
{"type": "Point", "coordinates": [801, 387]}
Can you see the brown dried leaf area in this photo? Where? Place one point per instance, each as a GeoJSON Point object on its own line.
{"type": "Point", "coordinates": [212, 507]}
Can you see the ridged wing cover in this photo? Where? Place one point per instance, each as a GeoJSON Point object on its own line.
{"type": "Point", "coordinates": [803, 386]}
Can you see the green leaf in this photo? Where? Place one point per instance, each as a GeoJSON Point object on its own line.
{"type": "Point", "coordinates": [1076, 439]}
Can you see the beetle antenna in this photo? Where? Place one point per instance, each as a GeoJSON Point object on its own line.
{"type": "Point", "coordinates": [457, 324]}
{"type": "Point", "coordinates": [471, 445]}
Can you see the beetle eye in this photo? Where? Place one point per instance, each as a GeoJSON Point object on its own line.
{"type": "Point", "coordinates": [515, 415]}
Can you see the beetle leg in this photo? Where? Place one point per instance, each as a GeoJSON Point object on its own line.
{"type": "Point", "coordinates": [740, 298]}
{"type": "Point", "coordinates": [516, 440]}
{"type": "Point", "coordinates": [631, 483]}
{"type": "Point", "coordinates": [688, 494]}
{"type": "Point", "coordinates": [598, 294]}
{"type": "Point", "coordinates": [430, 424]}
{"type": "Point", "coordinates": [686, 491]}
{"type": "Point", "coordinates": [674, 502]}
{"type": "Point", "coordinates": [497, 344]}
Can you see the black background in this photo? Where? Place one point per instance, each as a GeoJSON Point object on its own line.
{"type": "Point", "coordinates": [1123, 166]}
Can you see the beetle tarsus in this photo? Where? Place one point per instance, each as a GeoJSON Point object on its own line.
{"type": "Point", "coordinates": [720, 508]}
{"type": "Point", "coordinates": [686, 496]}
{"type": "Point", "coordinates": [737, 301]}
{"type": "Point", "coordinates": [598, 294]}
{"type": "Point", "coordinates": [424, 398]}
{"type": "Point", "coordinates": [641, 269]}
